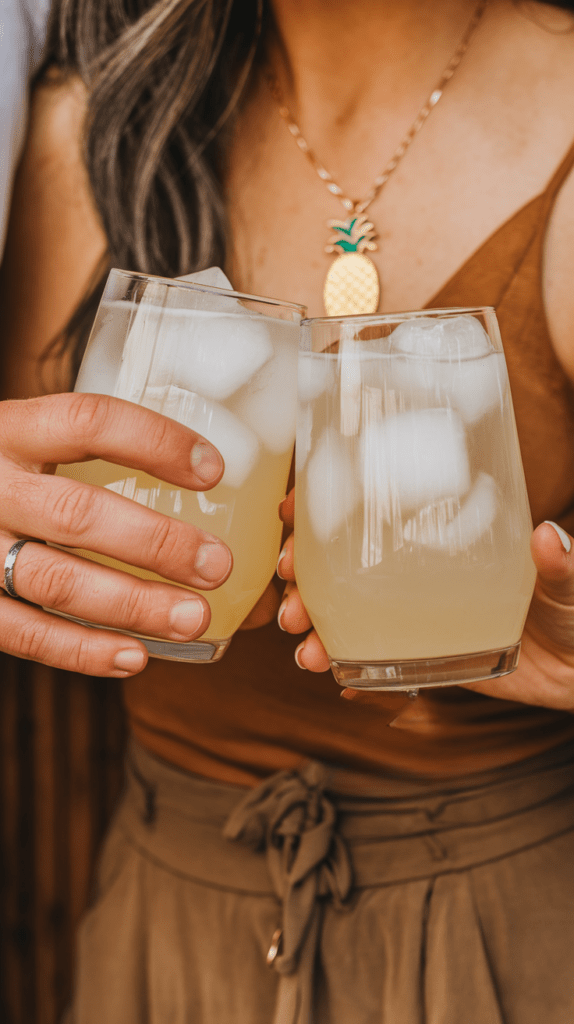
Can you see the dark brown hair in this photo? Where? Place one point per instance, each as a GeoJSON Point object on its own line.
{"type": "Point", "coordinates": [163, 80]}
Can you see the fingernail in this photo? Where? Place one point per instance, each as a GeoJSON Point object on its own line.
{"type": "Point", "coordinates": [279, 560]}
{"type": "Point", "coordinates": [212, 561]}
{"type": "Point", "coordinates": [206, 461]}
{"type": "Point", "coordinates": [297, 652]}
{"type": "Point", "coordinates": [129, 660]}
{"type": "Point", "coordinates": [566, 542]}
{"type": "Point", "coordinates": [186, 617]}
{"type": "Point", "coordinates": [280, 613]}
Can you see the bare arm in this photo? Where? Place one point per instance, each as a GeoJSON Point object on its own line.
{"type": "Point", "coordinates": [55, 240]}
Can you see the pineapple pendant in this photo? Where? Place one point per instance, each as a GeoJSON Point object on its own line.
{"type": "Point", "coordinates": [352, 284]}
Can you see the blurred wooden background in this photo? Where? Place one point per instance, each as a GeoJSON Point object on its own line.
{"type": "Point", "coordinates": [61, 749]}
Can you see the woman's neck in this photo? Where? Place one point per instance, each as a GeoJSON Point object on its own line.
{"type": "Point", "coordinates": [333, 55]}
{"type": "Point", "coordinates": [344, 66]}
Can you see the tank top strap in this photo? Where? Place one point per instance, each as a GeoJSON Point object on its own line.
{"type": "Point", "coordinates": [558, 178]}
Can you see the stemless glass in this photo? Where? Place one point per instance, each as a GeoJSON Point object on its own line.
{"type": "Point", "coordinates": [224, 364]}
{"type": "Point", "coordinates": [412, 523]}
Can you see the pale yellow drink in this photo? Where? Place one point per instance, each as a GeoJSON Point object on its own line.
{"type": "Point", "coordinates": [246, 519]}
{"type": "Point", "coordinates": [225, 366]}
{"type": "Point", "coordinates": [412, 531]}
{"type": "Point", "coordinates": [406, 609]}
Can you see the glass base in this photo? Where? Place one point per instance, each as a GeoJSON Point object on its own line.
{"type": "Point", "coordinates": [415, 675]}
{"type": "Point", "coordinates": [198, 651]}
{"type": "Point", "coordinates": [201, 651]}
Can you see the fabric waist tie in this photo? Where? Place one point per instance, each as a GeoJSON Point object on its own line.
{"type": "Point", "coordinates": [292, 819]}
{"type": "Point", "coordinates": [319, 833]}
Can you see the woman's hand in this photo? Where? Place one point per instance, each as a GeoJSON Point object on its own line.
{"type": "Point", "coordinates": [292, 616]}
{"type": "Point", "coordinates": [545, 673]}
{"type": "Point", "coordinates": [36, 434]}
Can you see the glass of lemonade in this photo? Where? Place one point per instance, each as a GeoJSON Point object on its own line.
{"type": "Point", "coordinates": [224, 364]}
{"type": "Point", "coordinates": [412, 523]}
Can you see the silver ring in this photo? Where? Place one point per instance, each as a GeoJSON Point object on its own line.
{"type": "Point", "coordinates": [10, 562]}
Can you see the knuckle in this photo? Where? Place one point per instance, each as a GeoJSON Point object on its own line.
{"type": "Point", "coordinates": [135, 606]}
{"type": "Point", "coordinates": [159, 436]}
{"type": "Point", "coordinates": [19, 490]}
{"type": "Point", "coordinates": [33, 641]}
{"type": "Point", "coordinates": [165, 542]}
{"type": "Point", "coordinates": [73, 508]}
{"type": "Point", "coordinates": [85, 414]}
{"type": "Point", "coordinates": [82, 657]}
{"type": "Point", "coordinates": [9, 422]}
{"type": "Point", "coordinates": [55, 583]}
{"type": "Point", "coordinates": [42, 642]}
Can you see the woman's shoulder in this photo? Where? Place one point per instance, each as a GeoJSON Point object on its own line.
{"type": "Point", "coordinates": [55, 238]}
{"type": "Point", "coordinates": [542, 62]}
{"type": "Point", "coordinates": [558, 275]}
{"type": "Point", "coordinates": [58, 107]}
{"type": "Point", "coordinates": [53, 177]}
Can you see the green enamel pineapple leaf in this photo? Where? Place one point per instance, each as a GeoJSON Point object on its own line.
{"type": "Point", "coordinates": [352, 235]}
{"type": "Point", "coordinates": [341, 225]}
{"type": "Point", "coordinates": [344, 246]}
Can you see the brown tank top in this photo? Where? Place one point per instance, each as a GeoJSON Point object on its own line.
{"type": "Point", "coordinates": [255, 712]}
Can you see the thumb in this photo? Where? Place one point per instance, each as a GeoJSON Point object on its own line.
{"type": "Point", "coordinates": [552, 609]}
{"type": "Point", "coordinates": [551, 549]}
{"type": "Point", "coordinates": [287, 509]}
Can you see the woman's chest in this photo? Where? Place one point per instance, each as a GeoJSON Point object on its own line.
{"type": "Point", "coordinates": [455, 186]}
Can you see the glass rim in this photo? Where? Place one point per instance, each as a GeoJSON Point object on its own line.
{"type": "Point", "coordinates": [382, 318]}
{"type": "Point", "coordinates": [173, 282]}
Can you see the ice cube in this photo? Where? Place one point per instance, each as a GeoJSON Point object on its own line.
{"type": "Point", "coordinates": [473, 387]}
{"type": "Point", "coordinates": [414, 458]}
{"type": "Point", "coordinates": [268, 403]}
{"type": "Point", "coordinates": [101, 363]}
{"type": "Point", "coordinates": [332, 492]}
{"type": "Point", "coordinates": [450, 362]}
{"type": "Point", "coordinates": [477, 385]}
{"type": "Point", "coordinates": [213, 277]}
{"type": "Point", "coordinates": [212, 353]}
{"type": "Point", "coordinates": [315, 374]}
{"type": "Point", "coordinates": [435, 527]}
{"type": "Point", "coordinates": [236, 441]}
{"type": "Point", "coordinates": [458, 337]}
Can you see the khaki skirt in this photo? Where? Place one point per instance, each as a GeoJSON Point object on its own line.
{"type": "Point", "coordinates": [327, 897]}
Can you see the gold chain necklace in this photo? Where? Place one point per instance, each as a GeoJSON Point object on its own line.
{"type": "Point", "coordinates": [352, 284]}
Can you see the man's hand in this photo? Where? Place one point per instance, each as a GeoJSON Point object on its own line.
{"type": "Point", "coordinates": [33, 503]}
